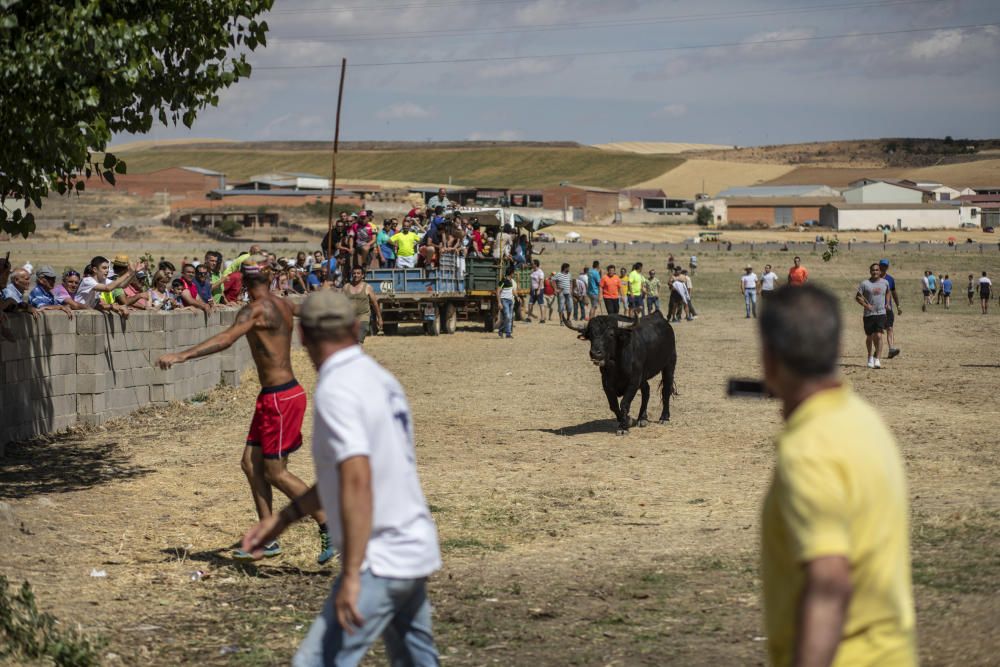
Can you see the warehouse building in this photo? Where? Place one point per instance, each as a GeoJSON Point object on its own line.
{"type": "Point", "coordinates": [580, 202]}
{"type": "Point", "coordinates": [846, 216]}
{"type": "Point", "coordinates": [874, 191]}
{"type": "Point", "coordinates": [175, 181]}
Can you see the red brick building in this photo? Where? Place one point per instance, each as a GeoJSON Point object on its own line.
{"type": "Point", "coordinates": [774, 211]}
{"type": "Point", "coordinates": [176, 181]}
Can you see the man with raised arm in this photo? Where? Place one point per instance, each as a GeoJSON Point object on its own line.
{"type": "Point", "coordinates": [276, 429]}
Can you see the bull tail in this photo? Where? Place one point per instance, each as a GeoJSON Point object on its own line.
{"type": "Point", "coordinates": [673, 388]}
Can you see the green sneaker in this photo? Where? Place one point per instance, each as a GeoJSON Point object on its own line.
{"type": "Point", "coordinates": [271, 549]}
{"type": "Point", "coordinates": [326, 552]}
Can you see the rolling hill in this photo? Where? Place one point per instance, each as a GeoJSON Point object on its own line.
{"type": "Point", "coordinates": [528, 166]}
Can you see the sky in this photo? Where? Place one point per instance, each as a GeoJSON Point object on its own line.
{"type": "Point", "coordinates": [743, 73]}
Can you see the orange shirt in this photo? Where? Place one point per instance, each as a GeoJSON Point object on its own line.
{"type": "Point", "coordinates": [610, 287]}
{"type": "Point", "coordinates": [797, 275]}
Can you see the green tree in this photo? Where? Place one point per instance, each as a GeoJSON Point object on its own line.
{"type": "Point", "coordinates": [704, 216]}
{"type": "Point", "coordinates": [73, 72]}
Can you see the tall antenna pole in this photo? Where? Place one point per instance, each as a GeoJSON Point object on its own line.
{"type": "Point", "coordinates": [333, 167]}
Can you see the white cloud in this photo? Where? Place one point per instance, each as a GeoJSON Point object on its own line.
{"type": "Point", "coordinates": [670, 111]}
{"type": "Point", "coordinates": [404, 111]}
{"type": "Point", "coordinates": [502, 135]}
{"type": "Point", "coordinates": [940, 44]}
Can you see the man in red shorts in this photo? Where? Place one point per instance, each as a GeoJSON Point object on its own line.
{"type": "Point", "coordinates": [276, 430]}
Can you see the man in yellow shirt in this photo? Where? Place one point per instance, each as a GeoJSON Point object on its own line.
{"type": "Point", "coordinates": [405, 243]}
{"type": "Point", "coordinates": [835, 526]}
{"type": "Point", "coordinates": [635, 281]}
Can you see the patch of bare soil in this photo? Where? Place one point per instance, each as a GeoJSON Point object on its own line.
{"type": "Point", "coordinates": [563, 544]}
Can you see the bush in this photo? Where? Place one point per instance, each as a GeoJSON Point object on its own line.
{"type": "Point", "coordinates": [704, 216]}
{"type": "Point", "coordinates": [230, 227]}
{"type": "Point", "coordinates": [27, 633]}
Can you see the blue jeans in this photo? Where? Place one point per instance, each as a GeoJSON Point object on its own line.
{"type": "Point", "coordinates": [564, 303]}
{"type": "Point", "coordinates": [396, 609]}
{"type": "Point", "coordinates": [652, 303]}
{"type": "Point", "coordinates": [507, 320]}
{"type": "Point", "coordinates": [750, 300]}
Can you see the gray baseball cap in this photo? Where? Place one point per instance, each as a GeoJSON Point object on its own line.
{"type": "Point", "coordinates": [326, 310]}
{"type": "Point", "coordinates": [45, 271]}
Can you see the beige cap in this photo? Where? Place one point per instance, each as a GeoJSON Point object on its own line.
{"type": "Point", "coordinates": [326, 310]}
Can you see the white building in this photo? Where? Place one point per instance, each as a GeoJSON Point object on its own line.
{"type": "Point", "coordinates": [897, 217]}
{"type": "Point", "coordinates": [880, 192]}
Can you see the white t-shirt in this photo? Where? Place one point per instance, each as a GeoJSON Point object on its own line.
{"type": "Point", "coordinates": [768, 281]}
{"type": "Point", "coordinates": [985, 281]}
{"type": "Point", "coordinates": [361, 410]}
{"type": "Point", "coordinates": [85, 293]}
{"type": "Point", "coordinates": [749, 282]}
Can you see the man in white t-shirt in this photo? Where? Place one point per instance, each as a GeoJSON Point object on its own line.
{"type": "Point", "coordinates": [748, 286]}
{"type": "Point", "coordinates": [536, 293]}
{"type": "Point", "coordinates": [767, 284]}
{"type": "Point", "coordinates": [88, 293]}
{"type": "Point", "coordinates": [366, 480]}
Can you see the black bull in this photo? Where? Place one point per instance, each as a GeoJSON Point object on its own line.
{"type": "Point", "coordinates": [630, 353]}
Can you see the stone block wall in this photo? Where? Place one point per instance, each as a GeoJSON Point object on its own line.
{"type": "Point", "coordinates": [60, 372]}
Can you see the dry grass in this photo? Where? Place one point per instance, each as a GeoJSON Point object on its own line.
{"type": "Point", "coordinates": [499, 166]}
{"type": "Point", "coordinates": [659, 147]}
{"type": "Point", "coordinates": [563, 544]}
{"type": "Point", "coordinates": [981, 173]}
{"type": "Point", "coordinates": [712, 176]}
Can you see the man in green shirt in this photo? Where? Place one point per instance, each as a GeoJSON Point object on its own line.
{"type": "Point", "coordinates": [652, 292]}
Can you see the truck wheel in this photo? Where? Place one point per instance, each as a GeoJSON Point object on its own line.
{"type": "Point", "coordinates": [390, 328]}
{"type": "Point", "coordinates": [449, 318]}
{"type": "Point", "coordinates": [433, 327]}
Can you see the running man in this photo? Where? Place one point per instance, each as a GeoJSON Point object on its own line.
{"type": "Point", "coordinates": [276, 429]}
{"type": "Point", "coordinates": [872, 296]}
{"type": "Point", "coordinates": [985, 289]}
{"type": "Point", "coordinates": [892, 298]}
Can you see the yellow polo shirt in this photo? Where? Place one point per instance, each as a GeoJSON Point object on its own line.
{"type": "Point", "coordinates": [406, 243]}
{"type": "Point", "coordinates": [839, 489]}
{"type": "Point", "coordinates": [635, 283]}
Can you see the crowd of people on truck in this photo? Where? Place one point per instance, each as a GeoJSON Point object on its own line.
{"type": "Point", "coordinates": [424, 237]}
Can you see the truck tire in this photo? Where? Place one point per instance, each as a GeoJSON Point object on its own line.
{"type": "Point", "coordinates": [433, 327]}
{"type": "Point", "coordinates": [449, 318]}
{"type": "Point", "coordinates": [390, 328]}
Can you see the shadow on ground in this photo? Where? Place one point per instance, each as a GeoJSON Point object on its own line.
{"type": "Point", "coordinates": [64, 463]}
{"type": "Point", "coordinates": [264, 569]}
{"type": "Point", "coordinates": [608, 426]}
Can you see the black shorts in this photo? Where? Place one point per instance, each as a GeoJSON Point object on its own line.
{"type": "Point", "coordinates": [984, 292]}
{"type": "Point", "coordinates": [536, 297]}
{"type": "Point", "coordinates": [874, 324]}
{"type": "Point", "coordinates": [927, 292]}
{"type": "Point", "coordinates": [611, 305]}
{"type": "Point", "coordinates": [890, 318]}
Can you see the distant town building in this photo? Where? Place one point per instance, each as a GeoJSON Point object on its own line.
{"type": "Point", "coordinates": [847, 216]}
{"type": "Point", "coordinates": [872, 191]}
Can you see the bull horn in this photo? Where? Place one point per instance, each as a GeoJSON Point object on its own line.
{"type": "Point", "coordinates": [576, 329]}
{"type": "Point", "coordinates": [625, 325]}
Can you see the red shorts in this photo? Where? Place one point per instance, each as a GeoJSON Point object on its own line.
{"type": "Point", "coordinates": [277, 422]}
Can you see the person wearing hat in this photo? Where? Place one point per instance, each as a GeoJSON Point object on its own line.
{"type": "Point", "coordinates": [42, 298]}
{"type": "Point", "coordinates": [366, 479]}
{"type": "Point", "coordinates": [883, 267]}
{"type": "Point", "coordinates": [748, 286]}
{"type": "Point", "coordinates": [276, 429]}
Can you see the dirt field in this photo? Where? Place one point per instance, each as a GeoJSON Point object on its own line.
{"type": "Point", "coordinates": [563, 544]}
{"type": "Point", "coordinates": [712, 176]}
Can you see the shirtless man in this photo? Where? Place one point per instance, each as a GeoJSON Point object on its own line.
{"type": "Point", "coordinates": [275, 431]}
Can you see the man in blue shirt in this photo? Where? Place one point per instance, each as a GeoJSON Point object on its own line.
{"type": "Point", "coordinates": [42, 298]}
{"type": "Point", "coordinates": [594, 288]}
{"type": "Point", "coordinates": [946, 290]}
{"type": "Point", "coordinates": [891, 298]}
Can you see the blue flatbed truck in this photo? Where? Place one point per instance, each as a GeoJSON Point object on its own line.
{"type": "Point", "coordinates": [439, 298]}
